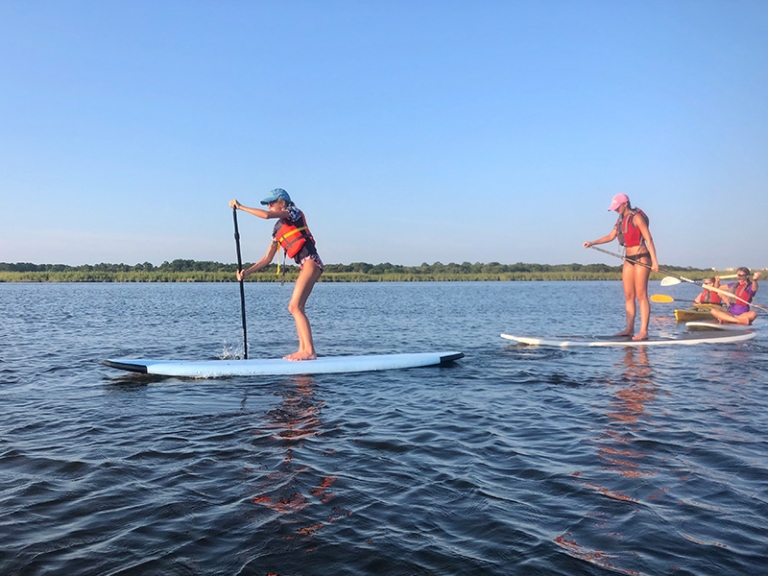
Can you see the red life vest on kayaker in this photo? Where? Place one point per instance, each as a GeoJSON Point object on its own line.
{"type": "Point", "coordinates": [292, 238]}
{"type": "Point", "coordinates": [740, 291]}
{"type": "Point", "coordinates": [629, 234]}
{"type": "Point", "coordinates": [710, 297]}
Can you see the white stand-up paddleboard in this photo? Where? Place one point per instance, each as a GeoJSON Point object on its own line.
{"type": "Point", "coordinates": [703, 325]}
{"type": "Point", "coordinates": [687, 339]}
{"type": "Point", "coordinates": [274, 367]}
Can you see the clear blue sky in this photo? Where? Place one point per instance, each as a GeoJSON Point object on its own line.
{"type": "Point", "coordinates": [408, 131]}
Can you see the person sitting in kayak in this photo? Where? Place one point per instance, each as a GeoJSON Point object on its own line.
{"type": "Point", "coordinates": [708, 296]}
{"type": "Point", "coordinates": [292, 234]}
{"type": "Point", "coordinates": [738, 312]}
{"type": "Point", "coordinates": [632, 231]}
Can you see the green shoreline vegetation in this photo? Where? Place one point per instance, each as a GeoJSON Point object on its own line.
{"type": "Point", "coordinates": [206, 271]}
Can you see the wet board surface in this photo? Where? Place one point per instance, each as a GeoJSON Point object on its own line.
{"type": "Point", "coordinates": [687, 339]}
{"type": "Point", "coordinates": [271, 367]}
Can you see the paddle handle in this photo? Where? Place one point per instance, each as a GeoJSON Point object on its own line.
{"type": "Point", "coordinates": [242, 287]}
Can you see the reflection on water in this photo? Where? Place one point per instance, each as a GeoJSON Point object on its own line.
{"type": "Point", "coordinates": [632, 394]}
{"type": "Point", "coordinates": [285, 429]}
{"type": "Point", "coordinates": [617, 447]}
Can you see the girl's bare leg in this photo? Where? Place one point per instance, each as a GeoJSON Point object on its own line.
{"type": "Point", "coordinates": [722, 316]}
{"type": "Point", "coordinates": [727, 318]}
{"type": "Point", "coordinates": [642, 274]}
{"type": "Point", "coordinates": [628, 281]}
{"type": "Point", "coordinates": [308, 276]}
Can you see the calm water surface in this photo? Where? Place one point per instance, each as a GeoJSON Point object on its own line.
{"type": "Point", "coordinates": [512, 461]}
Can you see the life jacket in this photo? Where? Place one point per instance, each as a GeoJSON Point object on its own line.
{"type": "Point", "coordinates": [629, 234]}
{"type": "Point", "coordinates": [740, 291]}
{"type": "Point", "coordinates": [292, 238]}
{"type": "Point", "coordinates": [710, 297]}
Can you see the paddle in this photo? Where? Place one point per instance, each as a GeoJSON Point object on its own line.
{"type": "Point", "coordinates": [669, 281]}
{"type": "Point", "coordinates": [683, 279]}
{"type": "Point", "coordinates": [643, 264]}
{"type": "Point", "coordinates": [242, 289]}
{"type": "Point", "coordinates": [664, 299]}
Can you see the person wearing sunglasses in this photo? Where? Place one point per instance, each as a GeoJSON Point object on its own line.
{"type": "Point", "coordinates": [708, 296]}
{"type": "Point", "coordinates": [738, 310]}
{"type": "Point", "coordinates": [293, 236]}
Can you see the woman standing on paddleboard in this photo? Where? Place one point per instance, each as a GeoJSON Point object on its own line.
{"type": "Point", "coordinates": [291, 234]}
{"type": "Point", "coordinates": [639, 259]}
{"type": "Point", "coordinates": [738, 312]}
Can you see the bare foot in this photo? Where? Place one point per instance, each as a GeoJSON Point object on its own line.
{"type": "Point", "coordinates": [624, 333]}
{"type": "Point", "coordinates": [641, 336]}
{"type": "Point", "coordinates": [300, 355]}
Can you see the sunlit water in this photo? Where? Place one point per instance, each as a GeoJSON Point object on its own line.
{"type": "Point", "coordinates": [514, 460]}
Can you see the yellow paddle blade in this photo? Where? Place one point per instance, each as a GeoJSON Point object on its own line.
{"type": "Point", "coordinates": [662, 298]}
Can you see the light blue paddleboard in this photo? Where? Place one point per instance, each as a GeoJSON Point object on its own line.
{"type": "Point", "coordinates": [687, 339]}
{"type": "Point", "coordinates": [274, 367]}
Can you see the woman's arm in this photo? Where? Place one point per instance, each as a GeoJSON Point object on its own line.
{"type": "Point", "coordinates": [646, 233]}
{"type": "Point", "coordinates": [263, 263]}
{"type": "Point", "coordinates": [607, 238]}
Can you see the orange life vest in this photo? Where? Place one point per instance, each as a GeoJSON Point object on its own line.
{"type": "Point", "coordinates": [710, 297]}
{"type": "Point", "coordinates": [629, 234]}
{"type": "Point", "coordinates": [292, 238]}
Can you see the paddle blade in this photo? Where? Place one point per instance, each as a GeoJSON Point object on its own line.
{"type": "Point", "coordinates": [669, 281]}
{"type": "Point", "coordinates": [662, 298]}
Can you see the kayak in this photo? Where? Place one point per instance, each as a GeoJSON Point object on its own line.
{"type": "Point", "coordinates": [695, 312]}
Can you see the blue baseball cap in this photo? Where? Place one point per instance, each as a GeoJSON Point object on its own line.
{"type": "Point", "coordinates": [276, 194]}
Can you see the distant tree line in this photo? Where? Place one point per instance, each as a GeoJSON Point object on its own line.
{"type": "Point", "coordinates": [175, 266]}
{"type": "Point", "coordinates": [207, 271]}
{"type": "Point", "coordinates": [354, 267]}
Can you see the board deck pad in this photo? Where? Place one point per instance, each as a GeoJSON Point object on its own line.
{"type": "Point", "coordinates": [278, 366]}
{"type": "Point", "coordinates": [686, 339]}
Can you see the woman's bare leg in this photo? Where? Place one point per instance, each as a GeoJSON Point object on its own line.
{"type": "Point", "coordinates": [641, 275]}
{"type": "Point", "coordinates": [628, 281]}
{"type": "Point", "coordinates": [308, 276]}
{"type": "Point", "coordinates": [727, 318]}
{"type": "Point", "coordinates": [722, 316]}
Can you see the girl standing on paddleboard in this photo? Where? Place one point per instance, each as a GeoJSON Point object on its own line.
{"type": "Point", "coordinates": [639, 259]}
{"type": "Point", "coordinates": [291, 234]}
{"type": "Point", "coordinates": [738, 312]}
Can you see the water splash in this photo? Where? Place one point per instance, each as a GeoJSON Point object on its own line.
{"type": "Point", "coordinates": [231, 351]}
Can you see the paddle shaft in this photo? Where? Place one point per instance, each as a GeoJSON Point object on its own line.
{"type": "Point", "coordinates": [242, 288]}
{"type": "Point", "coordinates": [683, 278]}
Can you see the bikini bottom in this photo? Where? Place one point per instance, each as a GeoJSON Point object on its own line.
{"type": "Point", "coordinates": [635, 258]}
